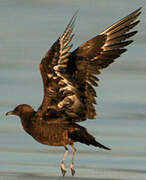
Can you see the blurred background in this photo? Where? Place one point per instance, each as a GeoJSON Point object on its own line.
{"type": "Point", "coordinates": [27, 31]}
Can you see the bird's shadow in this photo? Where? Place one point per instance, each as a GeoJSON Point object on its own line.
{"type": "Point", "coordinates": [37, 176]}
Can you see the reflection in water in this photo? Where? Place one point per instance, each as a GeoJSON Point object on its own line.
{"type": "Point", "coordinates": [31, 176]}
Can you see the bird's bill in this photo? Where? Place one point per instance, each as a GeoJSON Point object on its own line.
{"type": "Point", "coordinates": [10, 113]}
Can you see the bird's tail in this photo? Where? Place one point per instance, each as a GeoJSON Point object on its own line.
{"type": "Point", "coordinates": [84, 137]}
{"type": "Point", "coordinates": [97, 144]}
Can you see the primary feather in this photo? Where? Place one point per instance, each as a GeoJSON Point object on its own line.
{"type": "Point", "coordinates": [69, 77]}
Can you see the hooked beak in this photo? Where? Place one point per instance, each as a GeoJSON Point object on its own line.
{"type": "Point", "coordinates": [10, 113]}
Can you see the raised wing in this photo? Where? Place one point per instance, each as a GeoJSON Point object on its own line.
{"type": "Point", "coordinates": [69, 78]}
{"type": "Point", "coordinates": [97, 53]}
{"type": "Point", "coordinates": [60, 92]}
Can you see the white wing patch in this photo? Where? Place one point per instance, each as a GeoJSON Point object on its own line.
{"type": "Point", "coordinates": [69, 100]}
{"type": "Point", "coordinates": [68, 88]}
{"type": "Point", "coordinates": [116, 33]}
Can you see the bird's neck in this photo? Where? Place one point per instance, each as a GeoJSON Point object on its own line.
{"type": "Point", "coordinates": [27, 122]}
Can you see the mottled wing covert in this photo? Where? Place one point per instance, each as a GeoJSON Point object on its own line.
{"type": "Point", "coordinates": [61, 97]}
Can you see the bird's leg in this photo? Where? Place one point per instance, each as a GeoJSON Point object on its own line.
{"type": "Point", "coordinates": [72, 161]}
{"type": "Point", "coordinates": [63, 168]}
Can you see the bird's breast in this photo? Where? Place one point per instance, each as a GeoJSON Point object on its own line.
{"type": "Point", "coordinates": [51, 134]}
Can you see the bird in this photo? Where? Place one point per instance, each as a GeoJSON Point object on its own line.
{"type": "Point", "coordinates": [69, 81]}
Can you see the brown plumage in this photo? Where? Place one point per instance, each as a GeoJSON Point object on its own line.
{"type": "Point", "coordinates": [68, 79]}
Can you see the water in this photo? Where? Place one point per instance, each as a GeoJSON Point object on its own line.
{"type": "Point", "coordinates": [28, 29]}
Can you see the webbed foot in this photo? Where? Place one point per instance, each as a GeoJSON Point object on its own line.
{"type": "Point", "coordinates": [63, 169]}
{"type": "Point", "coordinates": [72, 169]}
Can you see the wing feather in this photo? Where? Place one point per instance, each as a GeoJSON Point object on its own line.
{"type": "Point", "coordinates": [69, 78]}
{"type": "Point", "coordinates": [59, 92]}
{"type": "Point", "coordinates": [126, 21]}
{"type": "Point", "coordinates": [98, 53]}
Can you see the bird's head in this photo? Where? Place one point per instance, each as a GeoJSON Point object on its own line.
{"type": "Point", "coordinates": [22, 110]}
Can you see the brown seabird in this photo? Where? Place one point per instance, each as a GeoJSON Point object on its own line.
{"type": "Point", "coordinates": [68, 79]}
